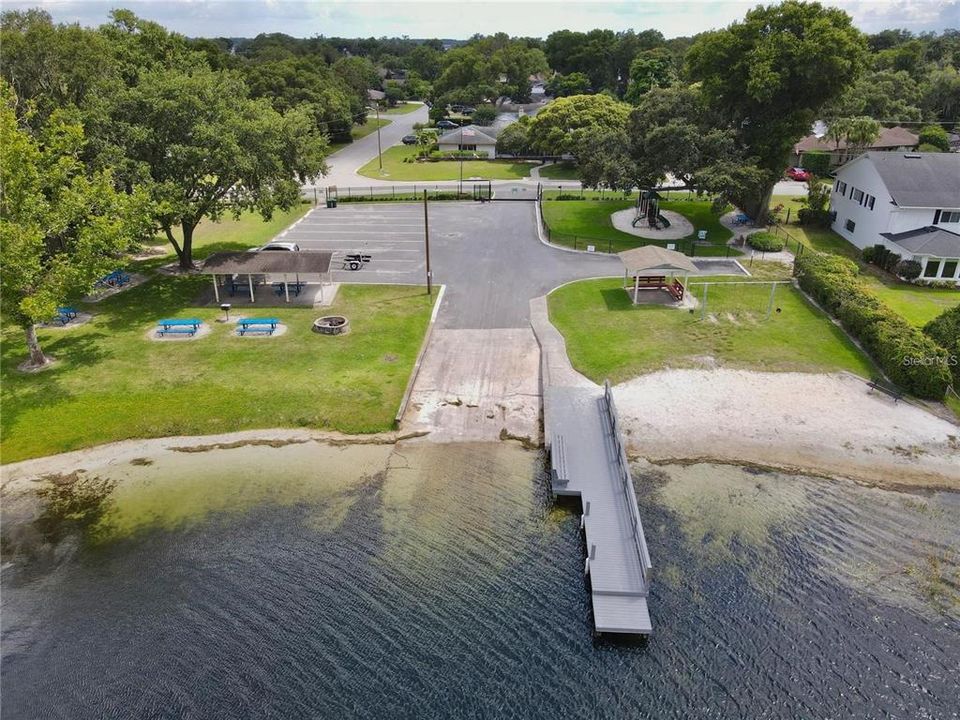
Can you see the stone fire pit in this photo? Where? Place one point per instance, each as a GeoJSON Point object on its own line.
{"type": "Point", "coordinates": [331, 325]}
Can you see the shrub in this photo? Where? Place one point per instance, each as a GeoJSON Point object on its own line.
{"type": "Point", "coordinates": [817, 162]}
{"type": "Point", "coordinates": [816, 218]}
{"type": "Point", "coordinates": [945, 331]}
{"type": "Point", "coordinates": [936, 137]}
{"type": "Point", "coordinates": [909, 357]}
{"type": "Point", "coordinates": [909, 269]}
{"type": "Point", "coordinates": [882, 257]}
{"type": "Point", "coordinates": [765, 242]}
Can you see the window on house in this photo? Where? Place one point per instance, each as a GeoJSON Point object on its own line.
{"type": "Point", "coordinates": [857, 195]}
{"type": "Point", "coordinates": [851, 226]}
{"type": "Point", "coordinates": [843, 187]}
{"type": "Point", "coordinates": [932, 269]}
{"type": "Point", "coordinates": [836, 185]}
{"type": "Point", "coordinates": [949, 269]}
{"type": "Point", "coordinates": [949, 216]}
{"type": "Point", "coordinates": [872, 200]}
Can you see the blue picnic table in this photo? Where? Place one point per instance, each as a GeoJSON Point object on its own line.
{"type": "Point", "coordinates": [267, 325]}
{"type": "Point", "coordinates": [118, 278]}
{"type": "Point", "coordinates": [179, 326]}
{"type": "Point", "coordinates": [65, 314]}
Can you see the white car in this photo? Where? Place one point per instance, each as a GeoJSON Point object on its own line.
{"type": "Point", "coordinates": [287, 246]}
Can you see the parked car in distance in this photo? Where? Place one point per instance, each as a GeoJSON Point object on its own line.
{"type": "Point", "coordinates": [446, 124]}
{"type": "Point", "coordinates": [798, 173]}
{"type": "Point", "coordinates": [286, 246]}
{"type": "Point", "coordinates": [409, 139]}
{"type": "Point", "coordinates": [456, 108]}
{"type": "Point", "coordinates": [468, 110]}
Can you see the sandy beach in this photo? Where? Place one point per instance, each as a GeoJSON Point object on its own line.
{"type": "Point", "coordinates": [824, 424]}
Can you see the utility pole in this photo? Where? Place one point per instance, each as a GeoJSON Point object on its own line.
{"type": "Point", "coordinates": [426, 241]}
{"type": "Point", "coordinates": [379, 148]}
{"type": "Point", "coordinates": [460, 146]}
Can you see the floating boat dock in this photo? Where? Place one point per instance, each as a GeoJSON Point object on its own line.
{"type": "Point", "coordinates": [588, 461]}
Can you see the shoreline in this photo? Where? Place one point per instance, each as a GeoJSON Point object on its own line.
{"type": "Point", "coordinates": [887, 471]}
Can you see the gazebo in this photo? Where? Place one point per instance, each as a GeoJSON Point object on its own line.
{"type": "Point", "coordinates": [655, 268]}
{"type": "Point", "coordinates": [296, 265]}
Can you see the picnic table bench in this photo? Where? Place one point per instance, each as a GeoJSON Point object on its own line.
{"type": "Point", "coordinates": [878, 384]}
{"type": "Point", "coordinates": [178, 326]}
{"type": "Point", "coordinates": [237, 285]}
{"type": "Point", "coordinates": [267, 325]}
{"type": "Point", "coordinates": [118, 278]}
{"type": "Point", "coordinates": [65, 314]}
{"type": "Point", "coordinates": [295, 287]}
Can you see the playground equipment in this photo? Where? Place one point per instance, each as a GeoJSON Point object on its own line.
{"type": "Point", "coordinates": [648, 208]}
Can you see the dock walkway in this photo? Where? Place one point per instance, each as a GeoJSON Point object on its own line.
{"type": "Point", "coordinates": [589, 462]}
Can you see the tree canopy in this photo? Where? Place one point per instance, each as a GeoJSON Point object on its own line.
{"type": "Point", "coordinates": [564, 125]}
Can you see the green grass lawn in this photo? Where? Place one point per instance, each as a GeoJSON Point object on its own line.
{"type": "Point", "coordinates": [232, 235]}
{"type": "Point", "coordinates": [560, 171]}
{"type": "Point", "coordinates": [620, 341]}
{"type": "Point", "coordinates": [402, 109]}
{"type": "Point", "coordinates": [915, 303]}
{"type": "Point", "coordinates": [576, 223]}
{"type": "Point", "coordinates": [112, 383]}
{"type": "Point", "coordinates": [395, 168]}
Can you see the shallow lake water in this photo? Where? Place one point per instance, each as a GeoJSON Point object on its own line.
{"type": "Point", "coordinates": [428, 581]}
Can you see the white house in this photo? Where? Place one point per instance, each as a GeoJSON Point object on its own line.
{"type": "Point", "coordinates": [909, 202]}
{"type": "Point", "coordinates": [471, 137]}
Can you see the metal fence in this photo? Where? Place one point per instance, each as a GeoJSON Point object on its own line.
{"type": "Point", "coordinates": [406, 192]}
{"type": "Point", "coordinates": [623, 471]}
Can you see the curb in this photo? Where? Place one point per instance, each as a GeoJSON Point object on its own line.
{"type": "Point", "coordinates": [411, 381]}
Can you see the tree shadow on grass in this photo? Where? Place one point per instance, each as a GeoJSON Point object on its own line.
{"type": "Point", "coordinates": [161, 296]}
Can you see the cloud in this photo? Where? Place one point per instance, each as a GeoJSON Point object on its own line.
{"type": "Point", "coordinates": [461, 19]}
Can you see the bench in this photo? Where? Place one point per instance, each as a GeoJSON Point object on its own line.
{"type": "Point", "coordinates": [559, 474]}
{"type": "Point", "coordinates": [267, 325]}
{"type": "Point", "coordinates": [295, 288]}
{"type": "Point", "coordinates": [877, 384]}
{"type": "Point", "coordinates": [178, 326]}
{"type": "Point", "coordinates": [65, 315]}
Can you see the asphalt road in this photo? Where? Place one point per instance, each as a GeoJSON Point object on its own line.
{"type": "Point", "coordinates": [487, 254]}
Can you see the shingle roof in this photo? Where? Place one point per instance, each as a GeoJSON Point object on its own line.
{"type": "Point", "coordinates": [920, 180]}
{"type": "Point", "coordinates": [653, 259]}
{"type": "Point", "coordinates": [305, 262]}
{"type": "Point", "coordinates": [472, 135]}
{"type": "Point", "coordinates": [929, 240]}
{"type": "Point", "coordinates": [889, 138]}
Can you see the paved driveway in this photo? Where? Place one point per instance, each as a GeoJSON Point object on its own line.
{"type": "Point", "coordinates": [487, 254]}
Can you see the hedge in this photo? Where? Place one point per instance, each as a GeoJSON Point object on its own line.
{"type": "Point", "coordinates": [945, 330]}
{"type": "Point", "coordinates": [909, 357]}
{"type": "Point", "coordinates": [765, 242]}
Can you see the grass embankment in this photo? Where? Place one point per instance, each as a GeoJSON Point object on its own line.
{"type": "Point", "coordinates": [577, 223]}
{"type": "Point", "coordinates": [113, 383]}
{"type": "Point", "coordinates": [917, 304]}
{"type": "Point", "coordinates": [608, 337]}
{"type": "Point", "coordinates": [394, 168]}
{"type": "Point", "coordinates": [233, 235]}
{"type": "Point", "coordinates": [560, 171]}
{"type": "Point", "coordinates": [402, 108]}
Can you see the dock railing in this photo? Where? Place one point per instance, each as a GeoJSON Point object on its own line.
{"type": "Point", "coordinates": [626, 483]}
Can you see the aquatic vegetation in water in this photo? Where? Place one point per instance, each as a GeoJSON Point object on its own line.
{"type": "Point", "coordinates": [72, 504]}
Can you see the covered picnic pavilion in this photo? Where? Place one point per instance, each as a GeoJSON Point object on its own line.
{"type": "Point", "coordinates": [652, 267]}
{"type": "Point", "coordinates": [253, 268]}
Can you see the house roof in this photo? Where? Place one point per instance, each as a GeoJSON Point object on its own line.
{"type": "Point", "coordinates": [376, 94]}
{"type": "Point", "coordinates": [889, 138]}
{"type": "Point", "coordinates": [930, 240]}
{"type": "Point", "coordinates": [304, 262]}
{"type": "Point", "coordinates": [655, 260]}
{"type": "Point", "coordinates": [472, 135]}
{"type": "Point", "coordinates": [919, 180]}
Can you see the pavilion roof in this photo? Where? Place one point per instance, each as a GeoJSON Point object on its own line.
{"type": "Point", "coordinates": [303, 262]}
{"type": "Point", "coordinates": [655, 260]}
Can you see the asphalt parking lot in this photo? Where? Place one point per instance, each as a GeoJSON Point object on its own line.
{"type": "Point", "coordinates": [391, 233]}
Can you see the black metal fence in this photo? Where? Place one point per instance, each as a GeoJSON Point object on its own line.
{"type": "Point", "coordinates": [406, 192]}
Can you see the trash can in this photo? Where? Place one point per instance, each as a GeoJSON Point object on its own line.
{"type": "Point", "coordinates": [331, 202]}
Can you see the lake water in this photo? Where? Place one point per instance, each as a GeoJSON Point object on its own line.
{"type": "Point", "coordinates": [440, 581]}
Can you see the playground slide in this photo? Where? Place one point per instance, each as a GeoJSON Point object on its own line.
{"type": "Point", "coordinates": [664, 223]}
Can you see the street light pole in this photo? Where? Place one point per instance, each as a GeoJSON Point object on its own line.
{"type": "Point", "coordinates": [379, 148]}
{"type": "Point", "coordinates": [460, 146]}
{"type": "Point", "coordinates": [426, 242]}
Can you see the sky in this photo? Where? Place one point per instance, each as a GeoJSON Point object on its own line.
{"type": "Point", "coordinates": [458, 19]}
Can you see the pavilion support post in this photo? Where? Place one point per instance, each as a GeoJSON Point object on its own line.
{"type": "Point", "coordinates": [250, 283]}
{"type": "Point", "coordinates": [286, 288]}
{"type": "Point", "coordinates": [216, 289]}
{"type": "Point", "coordinates": [636, 288]}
